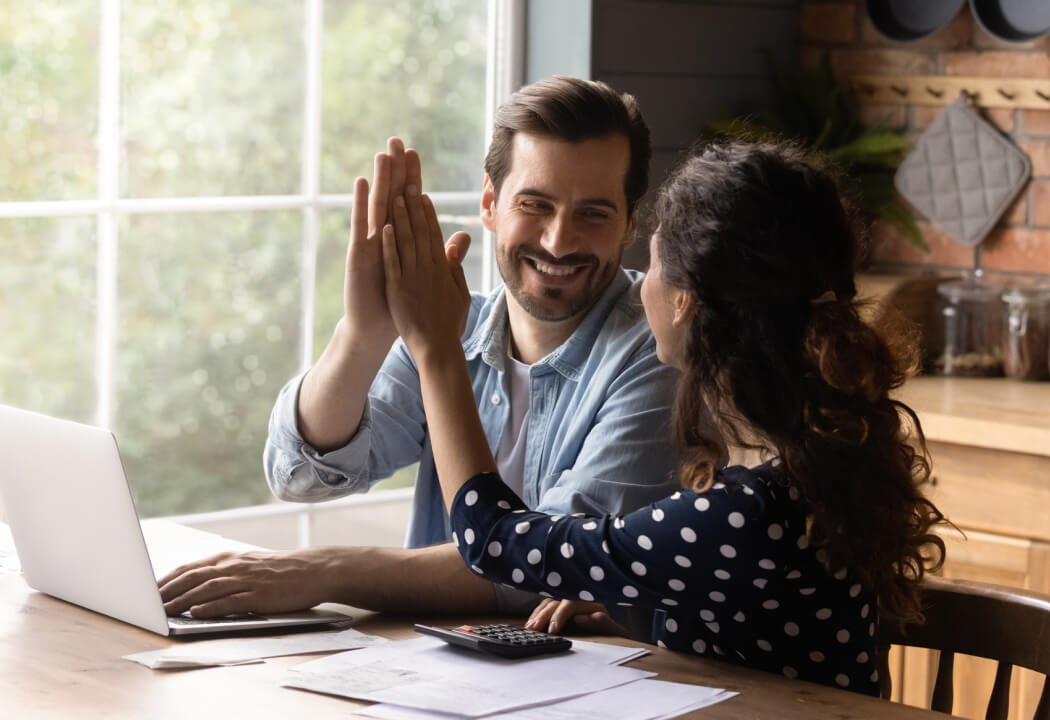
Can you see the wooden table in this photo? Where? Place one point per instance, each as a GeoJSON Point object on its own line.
{"type": "Point", "coordinates": [60, 661]}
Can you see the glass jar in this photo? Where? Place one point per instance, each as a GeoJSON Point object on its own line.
{"type": "Point", "coordinates": [972, 315]}
{"type": "Point", "coordinates": [1026, 333]}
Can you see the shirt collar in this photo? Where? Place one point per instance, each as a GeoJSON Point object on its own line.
{"type": "Point", "coordinates": [491, 336]}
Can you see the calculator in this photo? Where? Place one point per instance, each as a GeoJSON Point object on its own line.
{"type": "Point", "coordinates": [503, 640]}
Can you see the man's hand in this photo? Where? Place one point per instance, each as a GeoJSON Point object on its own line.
{"type": "Point", "coordinates": [556, 616]}
{"type": "Point", "coordinates": [236, 583]}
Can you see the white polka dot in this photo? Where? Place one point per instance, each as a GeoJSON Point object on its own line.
{"type": "Point", "coordinates": [567, 550]}
{"type": "Point", "coordinates": [669, 602]}
{"type": "Point", "coordinates": [793, 575]}
{"type": "Point", "coordinates": [736, 519]}
{"type": "Point", "coordinates": [476, 569]}
{"type": "Point", "coordinates": [816, 656]}
{"type": "Point", "coordinates": [518, 512]}
{"type": "Point", "coordinates": [544, 593]}
{"type": "Point", "coordinates": [590, 525]}
{"type": "Point", "coordinates": [840, 574]}
{"type": "Point", "coordinates": [739, 617]}
{"type": "Point", "coordinates": [534, 556]}
{"type": "Point", "coordinates": [597, 574]}
{"type": "Point", "coordinates": [775, 462]}
{"type": "Point", "coordinates": [717, 596]}
{"type": "Point", "coordinates": [767, 564]}
{"type": "Point", "coordinates": [554, 579]}
{"type": "Point", "coordinates": [718, 650]}
{"type": "Point", "coordinates": [689, 535]}
{"type": "Point", "coordinates": [727, 551]}
{"type": "Point", "coordinates": [699, 646]}
{"type": "Point", "coordinates": [630, 591]}
{"type": "Point", "coordinates": [503, 505]}
{"type": "Point", "coordinates": [854, 590]}
{"type": "Point", "coordinates": [625, 604]}
{"type": "Point", "coordinates": [775, 532]}
{"type": "Point", "coordinates": [702, 504]}
{"type": "Point", "coordinates": [579, 515]}
{"type": "Point", "coordinates": [807, 590]}
{"type": "Point", "coordinates": [676, 495]}
{"type": "Point", "coordinates": [605, 546]}
{"type": "Point", "coordinates": [875, 676]}
{"type": "Point", "coordinates": [471, 498]}
{"type": "Point", "coordinates": [658, 514]}
{"type": "Point", "coordinates": [671, 625]}
{"type": "Point", "coordinates": [495, 549]}
{"type": "Point", "coordinates": [747, 490]}
{"type": "Point", "coordinates": [522, 527]}
{"type": "Point", "coordinates": [637, 568]}
{"type": "Point", "coordinates": [791, 629]}
{"type": "Point", "coordinates": [644, 542]}
{"type": "Point", "coordinates": [862, 657]}
{"type": "Point", "coordinates": [468, 536]}
{"type": "Point", "coordinates": [871, 629]}
{"type": "Point", "coordinates": [455, 540]}
{"type": "Point", "coordinates": [790, 672]}
{"type": "Point", "coordinates": [683, 561]}
{"type": "Point", "coordinates": [822, 556]}
{"type": "Point", "coordinates": [823, 613]}
{"type": "Point", "coordinates": [802, 542]}
{"type": "Point", "coordinates": [555, 518]}
{"type": "Point", "coordinates": [713, 627]}
{"type": "Point", "coordinates": [718, 485]}
{"type": "Point", "coordinates": [517, 576]}
{"type": "Point", "coordinates": [584, 595]}
{"type": "Point", "coordinates": [771, 604]}
{"type": "Point", "coordinates": [842, 636]}
{"type": "Point", "coordinates": [707, 615]}
{"type": "Point", "coordinates": [764, 645]}
{"type": "Point", "coordinates": [865, 610]}
{"type": "Point", "coordinates": [722, 574]}
{"type": "Point", "coordinates": [842, 680]}
{"type": "Point", "coordinates": [676, 584]}
{"type": "Point", "coordinates": [760, 583]}
{"type": "Point", "coordinates": [661, 643]}
{"type": "Point", "coordinates": [618, 523]}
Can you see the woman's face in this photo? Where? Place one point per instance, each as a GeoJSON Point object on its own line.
{"type": "Point", "coordinates": [667, 308]}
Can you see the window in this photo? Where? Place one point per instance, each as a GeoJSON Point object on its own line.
{"type": "Point", "coordinates": [174, 193]}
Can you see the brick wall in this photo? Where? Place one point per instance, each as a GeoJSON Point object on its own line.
{"type": "Point", "coordinates": [1021, 242]}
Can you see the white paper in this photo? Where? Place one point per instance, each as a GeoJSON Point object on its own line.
{"type": "Point", "coordinates": [640, 700]}
{"type": "Point", "coordinates": [611, 654]}
{"type": "Point", "coordinates": [235, 651]}
{"type": "Point", "coordinates": [466, 682]}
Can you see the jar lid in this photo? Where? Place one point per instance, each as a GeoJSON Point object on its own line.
{"type": "Point", "coordinates": [970, 290]}
{"type": "Point", "coordinates": [1027, 296]}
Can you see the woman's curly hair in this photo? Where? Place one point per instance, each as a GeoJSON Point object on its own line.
{"type": "Point", "coordinates": [759, 235]}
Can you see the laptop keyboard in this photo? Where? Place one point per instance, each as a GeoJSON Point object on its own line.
{"type": "Point", "coordinates": [188, 621]}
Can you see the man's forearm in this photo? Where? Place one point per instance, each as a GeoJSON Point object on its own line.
{"type": "Point", "coordinates": [432, 579]}
{"type": "Point", "coordinates": [334, 392]}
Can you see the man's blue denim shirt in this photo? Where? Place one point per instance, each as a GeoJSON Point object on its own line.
{"type": "Point", "coordinates": [599, 435]}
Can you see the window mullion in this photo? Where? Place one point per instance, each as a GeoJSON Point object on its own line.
{"type": "Point", "coordinates": [311, 172]}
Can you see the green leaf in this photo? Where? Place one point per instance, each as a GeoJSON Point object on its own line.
{"type": "Point", "coordinates": [900, 216]}
{"type": "Point", "coordinates": [880, 148]}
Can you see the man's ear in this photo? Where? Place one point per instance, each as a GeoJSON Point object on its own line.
{"type": "Point", "coordinates": [684, 307]}
{"type": "Point", "coordinates": [488, 205]}
{"type": "Point", "coordinates": [629, 233]}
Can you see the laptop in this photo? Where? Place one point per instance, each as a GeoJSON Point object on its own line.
{"type": "Point", "coordinates": [78, 535]}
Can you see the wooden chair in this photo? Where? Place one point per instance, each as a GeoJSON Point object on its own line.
{"type": "Point", "coordinates": [990, 621]}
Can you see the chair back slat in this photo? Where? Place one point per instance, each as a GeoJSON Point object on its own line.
{"type": "Point", "coordinates": [1042, 712]}
{"type": "Point", "coordinates": [999, 702]}
{"type": "Point", "coordinates": [944, 685]}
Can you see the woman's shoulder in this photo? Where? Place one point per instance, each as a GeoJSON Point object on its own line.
{"type": "Point", "coordinates": [760, 491]}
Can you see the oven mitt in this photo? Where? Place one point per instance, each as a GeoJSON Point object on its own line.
{"type": "Point", "coordinates": [963, 173]}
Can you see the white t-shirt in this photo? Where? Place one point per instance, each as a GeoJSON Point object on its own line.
{"type": "Point", "coordinates": [510, 456]}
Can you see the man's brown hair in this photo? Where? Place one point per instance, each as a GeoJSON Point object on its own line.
{"type": "Point", "coordinates": [571, 109]}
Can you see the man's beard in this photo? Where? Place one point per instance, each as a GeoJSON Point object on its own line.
{"type": "Point", "coordinates": [554, 304]}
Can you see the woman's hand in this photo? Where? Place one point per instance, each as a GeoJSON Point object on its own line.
{"type": "Point", "coordinates": [555, 616]}
{"type": "Point", "coordinates": [426, 290]}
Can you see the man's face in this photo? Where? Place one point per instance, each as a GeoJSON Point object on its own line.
{"type": "Point", "coordinates": [560, 222]}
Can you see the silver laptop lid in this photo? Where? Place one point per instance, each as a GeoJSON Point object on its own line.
{"type": "Point", "coordinates": [73, 519]}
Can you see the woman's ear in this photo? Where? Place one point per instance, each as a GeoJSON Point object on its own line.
{"type": "Point", "coordinates": [684, 307]}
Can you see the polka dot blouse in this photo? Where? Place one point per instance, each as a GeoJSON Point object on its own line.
{"type": "Point", "coordinates": [730, 569]}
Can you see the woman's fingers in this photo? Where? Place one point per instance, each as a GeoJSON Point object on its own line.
{"type": "Point", "coordinates": [540, 616]}
{"type": "Point", "coordinates": [406, 242]}
{"type": "Point", "coordinates": [417, 204]}
{"type": "Point", "coordinates": [391, 260]}
{"type": "Point", "coordinates": [377, 202]}
{"type": "Point", "coordinates": [359, 212]}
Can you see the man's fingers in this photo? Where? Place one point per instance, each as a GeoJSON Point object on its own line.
{"type": "Point", "coordinates": [413, 169]}
{"type": "Point", "coordinates": [417, 203]}
{"type": "Point", "coordinates": [406, 241]}
{"type": "Point", "coordinates": [377, 203]}
{"type": "Point", "coordinates": [396, 149]}
{"type": "Point", "coordinates": [391, 259]}
{"type": "Point", "coordinates": [457, 246]}
{"type": "Point", "coordinates": [206, 592]}
{"type": "Point", "coordinates": [235, 604]}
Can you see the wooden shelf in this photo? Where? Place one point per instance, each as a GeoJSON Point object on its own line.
{"type": "Point", "coordinates": [943, 89]}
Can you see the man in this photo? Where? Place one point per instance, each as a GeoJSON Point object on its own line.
{"type": "Point", "coordinates": [573, 400]}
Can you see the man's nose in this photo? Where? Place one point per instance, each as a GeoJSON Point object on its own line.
{"type": "Point", "coordinates": [559, 236]}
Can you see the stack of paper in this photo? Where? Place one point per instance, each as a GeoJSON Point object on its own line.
{"type": "Point", "coordinates": [237, 651]}
{"type": "Point", "coordinates": [418, 678]}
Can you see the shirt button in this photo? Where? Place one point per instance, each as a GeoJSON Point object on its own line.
{"type": "Point", "coordinates": [495, 399]}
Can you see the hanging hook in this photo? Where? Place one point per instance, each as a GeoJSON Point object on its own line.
{"type": "Point", "coordinates": [1008, 95]}
{"type": "Point", "coordinates": [902, 91]}
{"type": "Point", "coordinates": [1043, 95]}
{"type": "Point", "coordinates": [935, 93]}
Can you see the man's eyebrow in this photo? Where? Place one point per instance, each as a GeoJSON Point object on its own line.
{"type": "Point", "coordinates": [595, 201]}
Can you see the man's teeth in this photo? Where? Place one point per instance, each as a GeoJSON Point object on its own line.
{"type": "Point", "coordinates": [553, 270]}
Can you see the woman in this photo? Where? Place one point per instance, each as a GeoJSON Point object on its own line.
{"type": "Point", "coordinates": [788, 566]}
